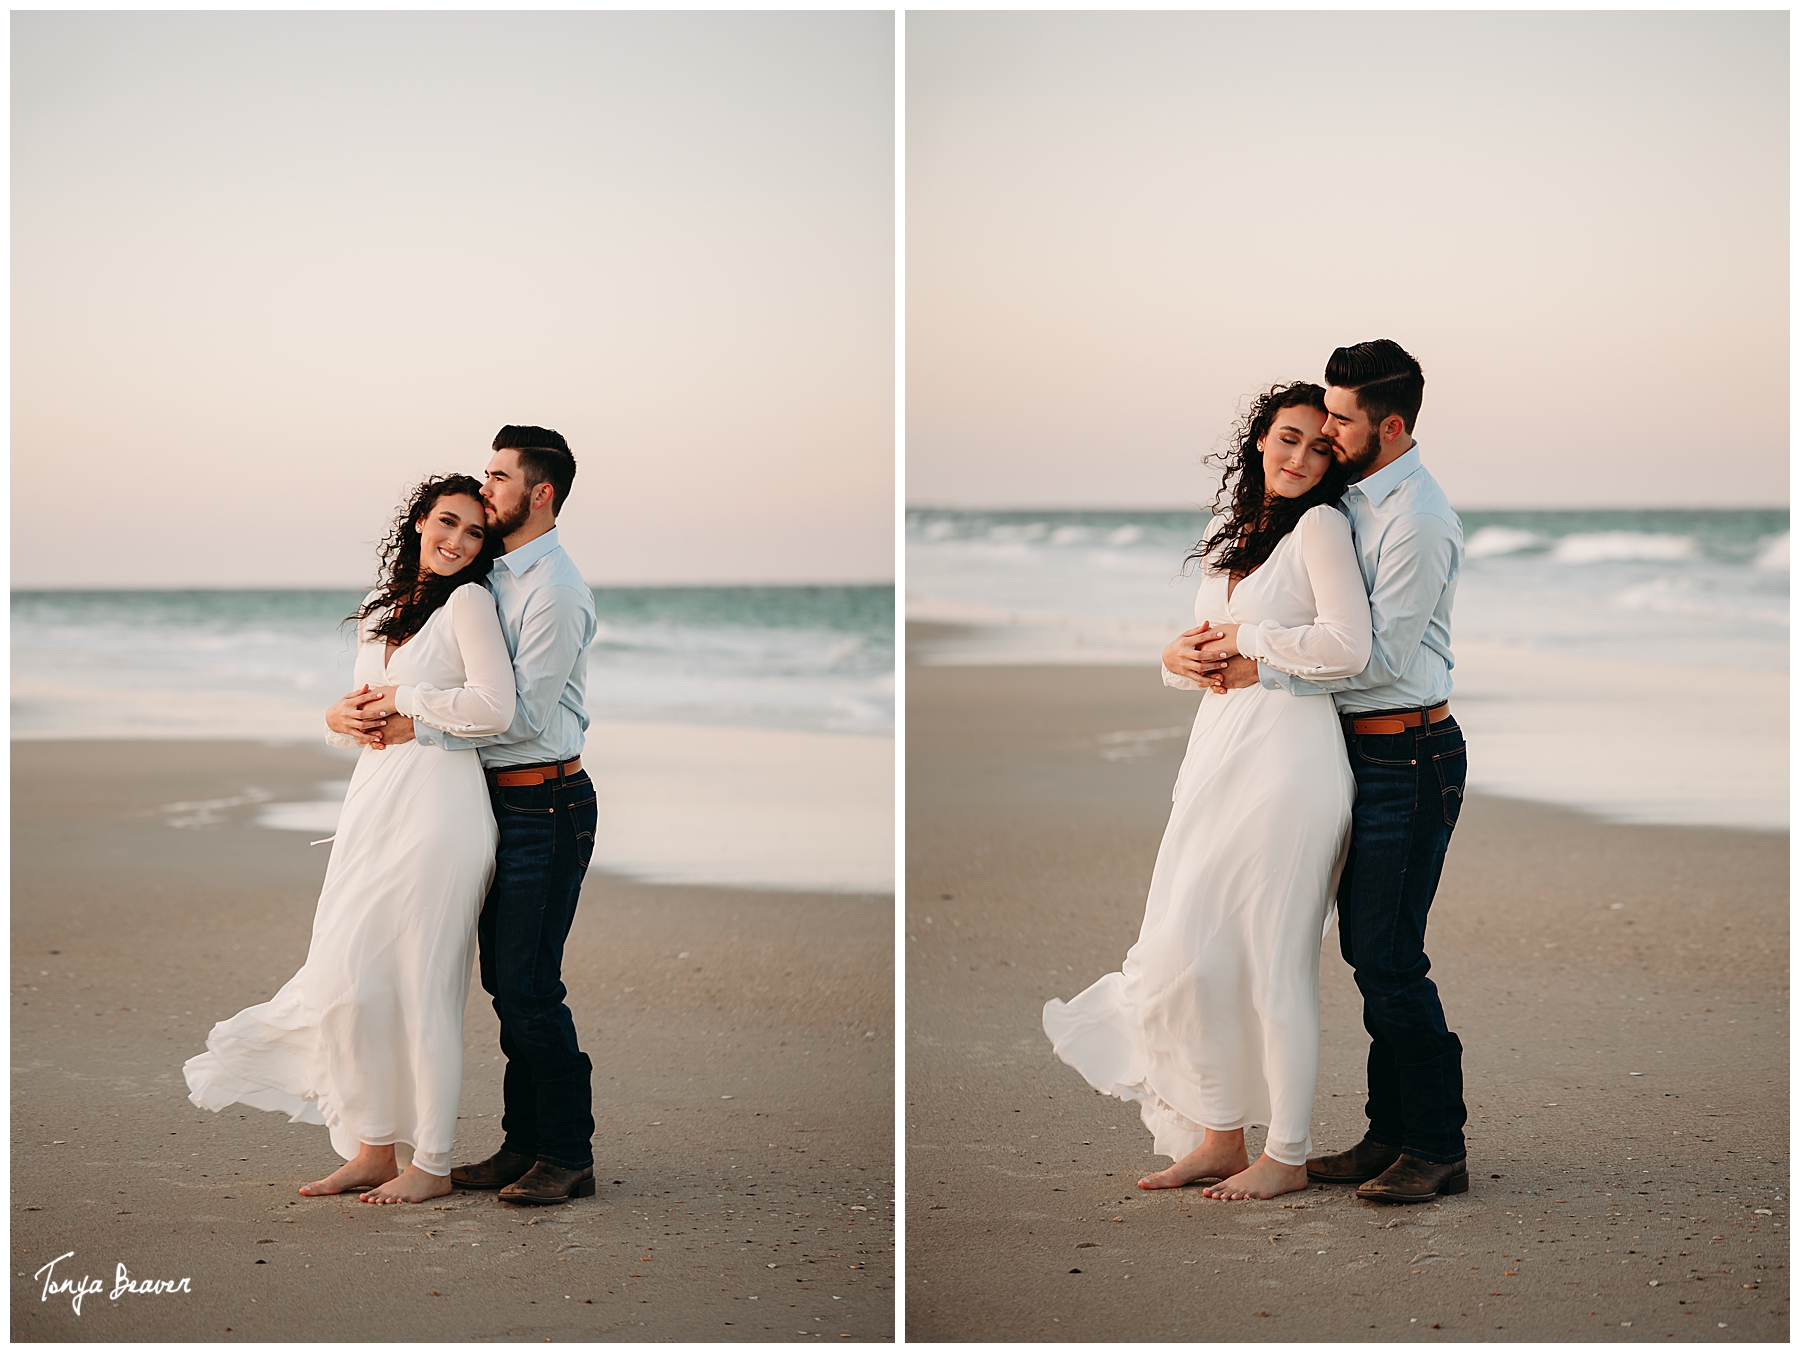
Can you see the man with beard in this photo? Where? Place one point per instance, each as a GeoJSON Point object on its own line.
{"type": "Point", "coordinates": [544, 804]}
{"type": "Point", "coordinates": [1408, 758]}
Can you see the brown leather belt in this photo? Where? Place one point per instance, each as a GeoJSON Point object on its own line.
{"type": "Point", "coordinates": [1394, 721]}
{"type": "Point", "coordinates": [534, 775]}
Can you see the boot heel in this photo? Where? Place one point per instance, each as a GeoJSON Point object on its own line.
{"type": "Point", "coordinates": [1456, 1183]}
{"type": "Point", "coordinates": [585, 1189]}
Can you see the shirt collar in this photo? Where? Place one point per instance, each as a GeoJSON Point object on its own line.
{"type": "Point", "coordinates": [527, 555]}
{"type": "Point", "coordinates": [1378, 486]}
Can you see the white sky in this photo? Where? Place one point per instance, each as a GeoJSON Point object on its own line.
{"type": "Point", "coordinates": [1119, 225]}
{"type": "Point", "coordinates": [269, 270]}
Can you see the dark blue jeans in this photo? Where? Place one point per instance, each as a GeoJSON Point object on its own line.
{"type": "Point", "coordinates": [546, 840]}
{"type": "Point", "coordinates": [1409, 790]}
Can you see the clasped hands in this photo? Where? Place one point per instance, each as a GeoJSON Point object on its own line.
{"type": "Point", "coordinates": [369, 716]}
{"type": "Point", "coordinates": [1208, 654]}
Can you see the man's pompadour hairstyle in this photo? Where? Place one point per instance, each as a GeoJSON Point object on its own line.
{"type": "Point", "coordinates": [544, 457]}
{"type": "Point", "coordinates": [1385, 376]}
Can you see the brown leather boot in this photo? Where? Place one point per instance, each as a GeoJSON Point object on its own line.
{"type": "Point", "coordinates": [496, 1172]}
{"type": "Point", "coordinates": [547, 1183]}
{"type": "Point", "coordinates": [1411, 1180]}
{"type": "Point", "coordinates": [1363, 1161]}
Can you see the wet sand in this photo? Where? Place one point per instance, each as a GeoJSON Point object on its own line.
{"type": "Point", "coordinates": [1621, 992]}
{"type": "Point", "coordinates": [743, 1054]}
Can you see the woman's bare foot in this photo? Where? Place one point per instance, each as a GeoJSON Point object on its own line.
{"type": "Point", "coordinates": [1265, 1179]}
{"type": "Point", "coordinates": [414, 1186]}
{"type": "Point", "coordinates": [1220, 1154]}
{"type": "Point", "coordinates": [367, 1171]}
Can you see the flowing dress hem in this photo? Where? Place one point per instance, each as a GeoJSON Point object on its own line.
{"type": "Point", "coordinates": [211, 1085]}
{"type": "Point", "coordinates": [1173, 1133]}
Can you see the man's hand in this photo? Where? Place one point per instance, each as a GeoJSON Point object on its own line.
{"type": "Point", "coordinates": [350, 717]}
{"type": "Point", "coordinates": [1182, 656]}
{"type": "Point", "coordinates": [399, 728]}
{"type": "Point", "coordinates": [1231, 675]}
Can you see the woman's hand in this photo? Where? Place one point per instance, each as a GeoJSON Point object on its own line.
{"type": "Point", "coordinates": [1182, 656]}
{"type": "Point", "coordinates": [381, 702]}
{"type": "Point", "coordinates": [350, 717]}
{"type": "Point", "coordinates": [1220, 644]}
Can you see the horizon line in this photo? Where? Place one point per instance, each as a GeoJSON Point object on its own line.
{"type": "Point", "coordinates": [1150, 507]}
{"type": "Point", "coordinates": [364, 586]}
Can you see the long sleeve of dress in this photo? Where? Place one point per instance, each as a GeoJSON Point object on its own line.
{"type": "Point", "coordinates": [1337, 643]}
{"type": "Point", "coordinates": [484, 703]}
{"type": "Point", "coordinates": [1418, 555]}
{"type": "Point", "coordinates": [552, 634]}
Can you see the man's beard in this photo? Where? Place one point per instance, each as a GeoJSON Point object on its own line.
{"type": "Point", "coordinates": [506, 525]}
{"type": "Point", "coordinates": [1357, 462]}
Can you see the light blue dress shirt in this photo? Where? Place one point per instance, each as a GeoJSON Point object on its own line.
{"type": "Point", "coordinates": [1409, 545]}
{"type": "Point", "coordinates": [547, 615]}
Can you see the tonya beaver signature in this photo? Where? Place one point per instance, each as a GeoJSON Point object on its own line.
{"type": "Point", "coordinates": [77, 1288]}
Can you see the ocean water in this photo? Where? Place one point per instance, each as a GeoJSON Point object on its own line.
{"type": "Point", "coordinates": [1632, 586]}
{"type": "Point", "coordinates": [1632, 664]}
{"type": "Point", "coordinates": [264, 663]}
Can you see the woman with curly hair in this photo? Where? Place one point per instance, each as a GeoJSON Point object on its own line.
{"type": "Point", "coordinates": [367, 1037]}
{"type": "Point", "coordinates": [1213, 1023]}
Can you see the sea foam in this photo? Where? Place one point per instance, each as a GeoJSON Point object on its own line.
{"type": "Point", "coordinates": [1549, 603]}
{"type": "Point", "coordinates": [1600, 547]}
{"type": "Point", "coordinates": [1492, 541]}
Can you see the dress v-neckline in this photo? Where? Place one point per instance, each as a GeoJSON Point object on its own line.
{"type": "Point", "coordinates": [1232, 584]}
{"type": "Point", "coordinates": [388, 656]}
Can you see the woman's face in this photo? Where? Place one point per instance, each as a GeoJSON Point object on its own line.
{"type": "Point", "coordinates": [1296, 453]}
{"type": "Point", "coordinates": [451, 534]}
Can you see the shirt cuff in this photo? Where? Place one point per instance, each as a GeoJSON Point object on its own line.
{"type": "Point", "coordinates": [404, 701]}
{"type": "Point", "coordinates": [1248, 641]}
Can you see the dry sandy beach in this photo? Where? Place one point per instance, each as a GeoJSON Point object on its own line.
{"type": "Point", "coordinates": [1621, 992]}
{"type": "Point", "coordinates": [743, 1056]}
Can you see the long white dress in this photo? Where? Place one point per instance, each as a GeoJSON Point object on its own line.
{"type": "Point", "coordinates": [1214, 1020]}
{"type": "Point", "coordinates": [367, 1037]}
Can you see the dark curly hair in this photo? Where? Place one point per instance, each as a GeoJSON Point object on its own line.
{"type": "Point", "coordinates": [1255, 520]}
{"type": "Point", "coordinates": [408, 593]}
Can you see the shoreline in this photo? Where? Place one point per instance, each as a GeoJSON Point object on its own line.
{"type": "Point", "coordinates": [1620, 990]}
{"type": "Point", "coordinates": [725, 806]}
{"type": "Point", "coordinates": [743, 1085]}
{"type": "Point", "coordinates": [1572, 732]}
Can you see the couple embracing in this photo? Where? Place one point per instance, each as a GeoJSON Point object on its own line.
{"type": "Point", "coordinates": [1323, 767]}
{"type": "Point", "coordinates": [468, 816]}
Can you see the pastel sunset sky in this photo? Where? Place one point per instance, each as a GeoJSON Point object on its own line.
{"type": "Point", "coordinates": [1120, 225]}
{"type": "Point", "coordinates": [270, 269]}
